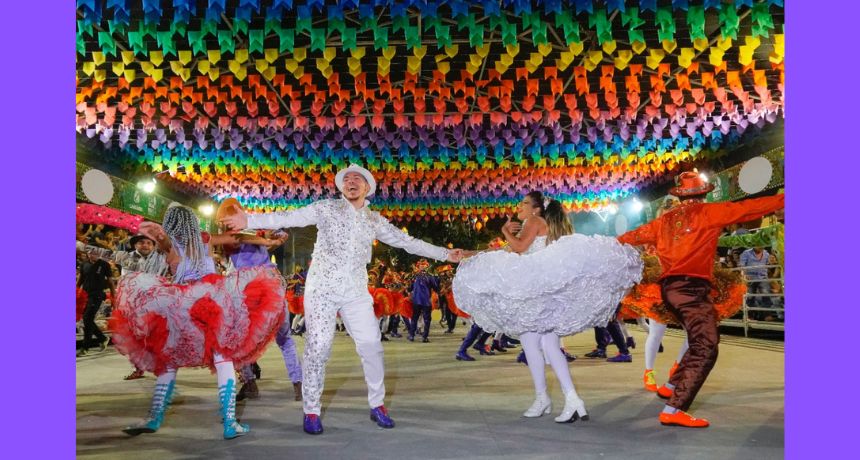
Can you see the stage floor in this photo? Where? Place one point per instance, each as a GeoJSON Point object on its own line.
{"type": "Point", "coordinates": [446, 408]}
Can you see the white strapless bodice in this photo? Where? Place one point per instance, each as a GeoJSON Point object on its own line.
{"type": "Point", "coordinates": [538, 244]}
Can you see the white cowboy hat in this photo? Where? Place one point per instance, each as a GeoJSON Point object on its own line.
{"type": "Point", "coordinates": [338, 179]}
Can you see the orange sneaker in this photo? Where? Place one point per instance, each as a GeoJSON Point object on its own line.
{"type": "Point", "coordinates": [673, 369]}
{"type": "Point", "coordinates": [665, 392]}
{"type": "Point", "coordinates": [648, 379]}
{"type": "Point", "coordinates": [682, 418]}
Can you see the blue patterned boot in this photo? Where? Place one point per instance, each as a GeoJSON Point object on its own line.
{"type": "Point", "coordinates": [227, 396]}
{"type": "Point", "coordinates": [161, 398]}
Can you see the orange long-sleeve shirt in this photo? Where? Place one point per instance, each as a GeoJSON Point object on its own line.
{"type": "Point", "coordinates": [686, 236]}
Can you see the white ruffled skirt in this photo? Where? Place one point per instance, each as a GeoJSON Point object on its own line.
{"type": "Point", "coordinates": [574, 284]}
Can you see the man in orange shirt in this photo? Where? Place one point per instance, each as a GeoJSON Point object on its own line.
{"type": "Point", "coordinates": [686, 242]}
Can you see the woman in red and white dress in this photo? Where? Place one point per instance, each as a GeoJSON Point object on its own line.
{"type": "Point", "coordinates": [197, 319]}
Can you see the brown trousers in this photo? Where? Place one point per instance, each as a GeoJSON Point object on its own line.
{"type": "Point", "coordinates": [688, 298]}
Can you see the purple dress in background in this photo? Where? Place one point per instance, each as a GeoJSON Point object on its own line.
{"type": "Point", "coordinates": [251, 255]}
{"type": "Point", "coordinates": [255, 255]}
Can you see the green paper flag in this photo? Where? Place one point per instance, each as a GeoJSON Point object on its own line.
{"type": "Point", "coordinates": [178, 28]}
{"type": "Point", "coordinates": [317, 39]}
{"type": "Point", "coordinates": [349, 38]}
{"type": "Point", "coordinates": [225, 41]}
{"type": "Point", "coordinates": [443, 35]}
{"type": "Point", "coordinates": [255, 40]}
{"type": "Point", "coordinates": [730, 21]}
{"type": "Point", "coordinates": [209, 28]}
{"type": "Point", "coordinates": [303, 25]}
{"type": "Point", "coordinates": [80, 45]}
{"type": "Point", "coordinates": [287, 39]}
{"type": "Point", "coordinates": [631, 19]}
{"type": "Point", "coordinates": [116, 27]}
{"type": "Point", "coordinates": [380, 37]}
{"type": "Point", "coordinates": [399, 23]}
{"type": "Point", "coordinates": [665, 23]}
{"type": "Point", "coordinates": [413, 37]}
{"type": "Point", "coordinates": [571, 28]}
{"type": "Point", "coordinates": [466, 22]}
{"type": "Point", "coordinates": [107, 44]}
{"type": "Point", "coordinates": [198, 44]}
{"type": "Point", "coordinates": [272, 26]}
{"type": "Point", "coordinates": [148, 29]}
{"type": "Point", "coordinates": [240, 26]}
{"type": "Point", "coordinates": [165, 41]}
{"type": "Point", "coordinates": [135, 40]}
{"type": "Point", "coordinates": [696, 21]}
{"type": "Point", "coordinates": [335, 24]}
{"type": "Point", "coordinates": [476, 35]}
{"type": "Point", "coordinates": [84, 28]}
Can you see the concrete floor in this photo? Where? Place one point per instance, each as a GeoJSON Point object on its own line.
{"type": "Point", "coordinates": [446, 408]}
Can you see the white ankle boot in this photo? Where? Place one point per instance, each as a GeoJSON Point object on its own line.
{"type": "Point", "coordinates": [541, 406]}
{"type": "Point", "coordinates": [574, 409]}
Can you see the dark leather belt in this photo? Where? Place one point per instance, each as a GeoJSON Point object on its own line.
{"type": "Point", "coordinates": [673, 278]}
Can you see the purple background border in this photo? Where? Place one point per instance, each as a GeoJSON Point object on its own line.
{"type": "Point", "coordinates": [38, 87]}
{"type": "Point", "coordinates": [821, 167]}
{"type": "Point", "coordinates": [40, 388]}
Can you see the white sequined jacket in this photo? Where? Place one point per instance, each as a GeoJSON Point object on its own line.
{"type": "Point", "coordinates": [344, 243]}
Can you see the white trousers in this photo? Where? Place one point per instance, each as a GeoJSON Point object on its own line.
{"type": "Point", "coordinates": [320, 318]}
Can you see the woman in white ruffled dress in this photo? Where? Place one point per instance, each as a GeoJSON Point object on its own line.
{"type": "Point", "coordinates": [551, 283]}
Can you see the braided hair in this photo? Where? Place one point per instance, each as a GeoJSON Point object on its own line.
{"type": "Point", "coordinates": [183, 227]}
{"type": "Point", "coordinates": [557, 221]}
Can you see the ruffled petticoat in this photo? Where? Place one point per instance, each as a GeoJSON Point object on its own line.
{"type": "Point", "coordinates": [727, 296]}
{"type": "Point", "coordinates": [573, 284]}
{"type": "Point", "coordinates": [295, 303]}
{"type": "Point", "coordinates": [160, 325]}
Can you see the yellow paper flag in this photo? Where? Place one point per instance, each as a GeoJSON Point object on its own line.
{"type": "Point", "coordinates": [214, 56]}
{"type": "Point", "coordinates": [716, 57]}
{"type": "Point", "coordinates": [271, 54]}
{"type": "Point", "coordinates": [654, 59]}
{"type": "Point", "coordinates": [299, 54]}
{"type": "Point", "coordinates": [700, 44]}
{"type": "Point", "coordinates": [724, 43]}
{"type": "Point", "coordinates": [609, 46]}
{"type": "Point", "coordinates": [544, 49]}
{"type": "Point", "coordinates": [623, 58]}
{"type": "Point", "coordinates": [685, 58]}
{"type": "Point", "coordinates": [329, 53]}
{"type": "Point", "coordinates": [669, 45]}
{"type": "Point", "coordinates": [155, 57]}
{"type": "Point", "coordinates": [184, 57]}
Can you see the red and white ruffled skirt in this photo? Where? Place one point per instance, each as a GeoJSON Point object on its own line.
{"type": "Point", "coordinates": [160, 325]}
